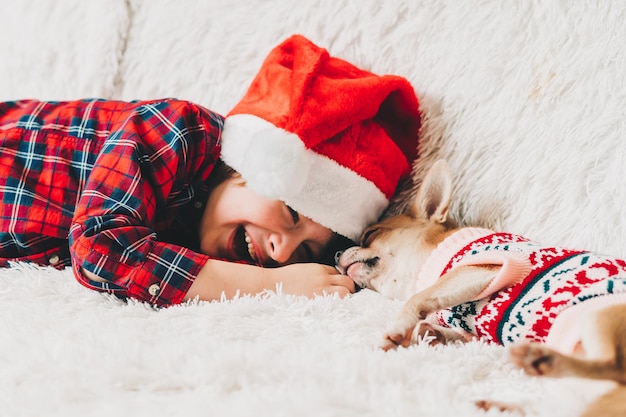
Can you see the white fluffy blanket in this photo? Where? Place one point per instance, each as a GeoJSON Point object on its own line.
{"type": "Point", "coordinates": [525, 99]}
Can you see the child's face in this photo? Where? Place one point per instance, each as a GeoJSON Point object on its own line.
{"type": "Point", "coordinates": [238, 224]}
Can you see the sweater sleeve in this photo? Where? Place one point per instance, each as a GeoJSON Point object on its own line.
{"type": "Point", "coordinates": [159, 153]}
{"type": "Point", "coordinates": [514, 267]}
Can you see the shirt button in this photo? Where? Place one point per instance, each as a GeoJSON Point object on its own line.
{"type": "Point", "coordinates": [154, 289]}
{"type": "Point", "coordinates": [197, 204]}
{"type": "Point", "coordinates": [54, 259]}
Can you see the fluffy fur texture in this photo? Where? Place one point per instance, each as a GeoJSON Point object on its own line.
{"type": "Point", "coordinates": [524, 99]}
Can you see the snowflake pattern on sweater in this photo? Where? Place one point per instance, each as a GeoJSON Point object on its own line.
{"type": "Point", "coordinates": [559, 278]}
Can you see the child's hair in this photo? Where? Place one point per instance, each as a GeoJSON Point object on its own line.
{"type": "Point", "coordinates": [337, 243]}
{"type": "Point", "coordinates": [221, 172]}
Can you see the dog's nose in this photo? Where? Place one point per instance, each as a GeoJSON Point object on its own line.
{"type": "Point", "coordinates": [337, 266]}
{"type": "Point", "coordinates": [337, 256]}
{"type": "Point", "coordinates": [342, 270]}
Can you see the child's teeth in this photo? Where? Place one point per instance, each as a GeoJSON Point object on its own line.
{"type": "Point", "coordinates": [250, 247]}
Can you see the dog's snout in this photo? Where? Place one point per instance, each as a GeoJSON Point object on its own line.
{"type": "Point", "coordinates": [338, 266]}
{"type": "Point", "coordinates": [337, 256]}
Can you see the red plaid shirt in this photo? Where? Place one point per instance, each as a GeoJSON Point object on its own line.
{"type": "Point", "coordinates": [116, 188]}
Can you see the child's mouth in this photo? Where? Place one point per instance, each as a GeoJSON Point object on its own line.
{"type": "Point", "coordinates": [242, 246]}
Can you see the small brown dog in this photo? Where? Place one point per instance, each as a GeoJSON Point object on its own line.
{"type": "Point", "coordinates": [562, 311]}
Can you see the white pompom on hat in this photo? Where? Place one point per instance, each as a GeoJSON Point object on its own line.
{"type": "Point", "coordinates": [329, 139]}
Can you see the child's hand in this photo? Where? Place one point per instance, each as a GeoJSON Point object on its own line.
{"type": "Point", "coordinates": [219, 279]}
{"type": "Point", "coordinates": [309, 280]}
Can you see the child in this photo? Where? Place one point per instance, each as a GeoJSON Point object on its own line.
{"type": "Point", "coordinates": [165, 201]}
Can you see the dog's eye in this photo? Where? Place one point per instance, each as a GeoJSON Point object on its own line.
{"type": "Point", "coordinates": [367, 235]}
{"type": "Point", "coordinates": [372, 262]}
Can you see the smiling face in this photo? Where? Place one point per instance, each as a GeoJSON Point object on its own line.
{"type": "Point", "coordinates": [240, 225]}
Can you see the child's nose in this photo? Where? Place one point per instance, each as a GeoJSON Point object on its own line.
{"type": "Point", "coordinates": [282, 248]}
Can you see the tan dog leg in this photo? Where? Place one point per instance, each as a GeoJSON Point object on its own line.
{"type": "Point", "coordinates": [604, 343]}
{"type": "Point", "coordinates": [458, 286]}
{"type": "Point", "coordinates": [611, 404]}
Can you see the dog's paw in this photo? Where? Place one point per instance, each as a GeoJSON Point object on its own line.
{"type": "Point", "coordinates": [399, 334]}
{"type": "Point", "coordinates": [423, 332]}
{"type": "Point", "coordinates": [500, 406]}
{"type": "Point", "coordinates": [536, 359]}
{"type": "Point", "coordinates": [392, 340]}
{"type": "Point", "coordinates": [428, 333]}
{"type": "Point", "coordinates": [387, 344]}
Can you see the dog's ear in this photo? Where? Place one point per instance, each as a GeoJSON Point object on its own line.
{"type": "Point", "coordinates": [433, 197]}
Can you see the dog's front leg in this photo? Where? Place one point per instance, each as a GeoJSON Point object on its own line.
{"type": "Point", "coordinates": [460, 285]}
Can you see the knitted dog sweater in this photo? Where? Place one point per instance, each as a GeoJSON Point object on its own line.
{"type": "Point", "coordinates": [539, 293]}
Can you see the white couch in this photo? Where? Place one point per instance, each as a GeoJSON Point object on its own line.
{"type": "Point", "coordinates": [527, 101]}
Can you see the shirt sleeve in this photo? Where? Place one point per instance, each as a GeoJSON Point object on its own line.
{"type": "Point", "coordinates": [514, 267]}
{"type": "Point", "coordinates": [161, 151]}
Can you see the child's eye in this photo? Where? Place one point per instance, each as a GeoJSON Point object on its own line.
{"type": "Point", "coordinates": [310, 256]}
{"type": "Point", "coordinates": [294, 215]}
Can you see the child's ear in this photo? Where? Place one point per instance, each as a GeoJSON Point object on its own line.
{"type": "Point", "coordinates": [433, 197]}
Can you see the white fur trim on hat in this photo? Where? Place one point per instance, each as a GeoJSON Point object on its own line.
{"type": "Point", "coordinates": [275, 164]}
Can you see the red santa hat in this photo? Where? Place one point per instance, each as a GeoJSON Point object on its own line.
{"type": "Point", "coordinates": [329, 139]}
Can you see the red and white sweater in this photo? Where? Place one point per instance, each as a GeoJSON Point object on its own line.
{"type": "Point", "coordinates": [539, 294]}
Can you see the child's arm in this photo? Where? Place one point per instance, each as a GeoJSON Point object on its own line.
{"type": "Point", "coordinates": [145, 166]}
{"type": "Point", "coordinates": [221, 277]}
{"type": "Point", "coordinates": [153, 160]}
